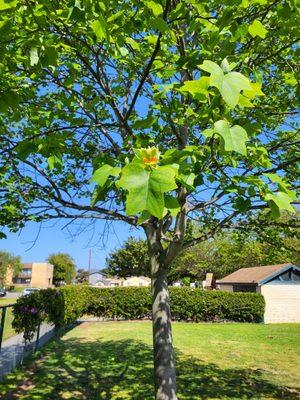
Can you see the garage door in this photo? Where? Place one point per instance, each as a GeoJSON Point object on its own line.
{"type": "Point", "coordinates": [282, 302]}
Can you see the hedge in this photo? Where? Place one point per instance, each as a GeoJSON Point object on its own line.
{"type": "Point", "coordinates": [65, 305]}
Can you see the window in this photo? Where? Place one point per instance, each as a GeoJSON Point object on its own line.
{"type": "Point", "coordinates": [244, 288]}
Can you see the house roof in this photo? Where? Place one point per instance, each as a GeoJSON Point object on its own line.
{"type": "Point", "coordinates": [255, 275]}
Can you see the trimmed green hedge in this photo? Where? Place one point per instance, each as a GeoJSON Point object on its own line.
{"type": "Point", "coordinates": [65, 305]}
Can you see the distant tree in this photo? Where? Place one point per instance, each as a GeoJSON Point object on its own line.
{"type": "Point", "coordinates": [82, 276]}
{"type": "Point", "coordinates": [64, 268]}
{"type": "Point", "coordinates": [230, 251]}
{"type": "Point", "coordinates": [130, 260]}
{"type": "Point", "coordinates": [8, 260]}
{"type": "Point", "coordinates": [221, 255]}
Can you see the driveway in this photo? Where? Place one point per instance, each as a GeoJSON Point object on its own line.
{"type": "Point", "coordinates": [12, 295]}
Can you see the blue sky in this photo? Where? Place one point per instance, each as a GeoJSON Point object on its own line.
{"type": "Point", "coordinates": [35, 243]}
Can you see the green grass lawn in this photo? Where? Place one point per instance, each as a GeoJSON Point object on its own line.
{"type": "Point", "coordinates": [113, 360]}
{"type": "Point", "coordinates": [8, 330]}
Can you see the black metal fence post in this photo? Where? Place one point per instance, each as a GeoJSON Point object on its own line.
{"type": "Point", "coordinates": [2, 325]}
{"type": "Point", "coordinates": [37, 336]}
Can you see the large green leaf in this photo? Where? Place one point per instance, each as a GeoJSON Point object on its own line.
{"type": "Point", "coordinates": [282, 201]}
{"type": "Point", "coordinates": [257, 29]}
{"type": "Point", "coordinates": [230, 85]}
{"type": "Point", "coordinates": [99, 27]}
{"type": "Point", "coordinates": [172, 205]}
{"type": "Point", "coordinates": [234, 137]}
{"type": "Point", "coordinates": [196, 87]}
{"type": "Point", "coordinates": [155, 7]}
{"type": "Point", "coordinates": [4, 5]}
{"type": "Point", "coordinates": [146, 188]}
{"type": "Point", "coordinates": [101, 175]}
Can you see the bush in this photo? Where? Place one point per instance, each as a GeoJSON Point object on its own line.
{"type": "Point", "coordinates": [68, 303]}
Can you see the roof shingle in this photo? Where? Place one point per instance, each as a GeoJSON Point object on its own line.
{"type": "Point", "coordinates": [253, 274]}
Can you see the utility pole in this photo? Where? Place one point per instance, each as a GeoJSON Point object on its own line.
{"type": "Point", "coordinates": [90, 261]}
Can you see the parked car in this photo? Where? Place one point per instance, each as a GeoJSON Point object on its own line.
{"type": "Point", "coordinates": [2, 292]}
{"type": "Point", "coordinates": [30, 290]}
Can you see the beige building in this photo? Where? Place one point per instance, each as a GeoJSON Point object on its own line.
{"type": "Point", "coordinates": [123, 282]}
{"type": "Point", "coordinates": [137, 281]}
{"type": "Point", "coordinates": [33, 275]}
{"type": "Point", "coordinates": [279, 284]}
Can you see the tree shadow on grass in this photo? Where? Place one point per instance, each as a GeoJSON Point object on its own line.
{"type": "Point", "coordinates": [73, 369]}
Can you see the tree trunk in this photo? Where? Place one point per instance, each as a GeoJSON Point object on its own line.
{"type": "Point", "coordinates": [164, 365]}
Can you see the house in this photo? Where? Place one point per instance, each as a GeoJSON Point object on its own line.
{"type": "Point", "coordinates": [32, 274]}
{"type": "Point", "coordinates": [279, 284]}
{"type": "Point", "coordinates": [103, 281]}
{"type": "Point", "coordinates": [137, 281]}
{"type": "Point", "coordinates": [97, 278]}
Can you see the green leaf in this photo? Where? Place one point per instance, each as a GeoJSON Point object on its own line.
{"type": "Point", "coordinates": [281, 200]}
{"type": "Point", "coordinates": [257, 29]}
{"type": "Point", "coordinates": [101, 175]}
{"type": "Point", "coordinates": [196, 88]}
{"type": "Point", "coordinates": [55, 162]}
{"type": "Point", "coordinates": [230, 85]}
{"type": "Point", "coordinates": [146, 188]}
{"type": "Point", "coordinates": [242, 204]}
{"type": "Point", "coordinates": [156, 8]}
{"type": "Point", "coordinates": [6, 4]}
{"type": "Point", "coordinates": [216, 73]}
{"type": "Point", "coordinates": [172, 205]}
{"type": "Point", "coordinates": [234, 137]}
{"type": "Point", "coordinates": [187, 180]}
{"type": "Point", "coordinates": [34, 56]}
{"type": "Point", "coordinates": [275, 178]}
{"type": "Point", "coordinates": [99, 27]}
{"type": "Point", "coordinates": [233, 84]}
{"type": "Point", "coordinates": [99, 194]}
{"type": "Point", "coordinates": [143, 217]}
{"type": "Point", "coordinates": [50, 56]}
{"type": "Point", "coordinates": [159, 24]}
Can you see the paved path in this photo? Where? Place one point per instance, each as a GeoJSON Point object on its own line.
{"type": "Point", "coordinates": [12, 295]}
{"type": "Point", "coordinates": [14, 350]}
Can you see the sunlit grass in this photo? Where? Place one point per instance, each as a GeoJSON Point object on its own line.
{"type": "Point", "coordinates": [113, 360]}
{"type": "Point", "coordinates": [8, 330]}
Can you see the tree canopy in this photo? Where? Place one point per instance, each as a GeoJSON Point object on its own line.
{"type": "Point", "coordinates": [229, 252]}
{"type": "Point", "coordinates": [64, 268]}
{"type": "Point", "coordinates": [222, 255]}
{"type": "Point", "coordinates": [131, 259]}
{"type": "Point", "coordinates": [86, 88]}
{"type": "Point", "coordinates": [82, 276]}
{"type": "Point", "coordinates": [8, 260]}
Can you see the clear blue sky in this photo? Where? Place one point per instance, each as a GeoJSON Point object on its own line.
{"type": "Point", "coordinates": [33, 244]}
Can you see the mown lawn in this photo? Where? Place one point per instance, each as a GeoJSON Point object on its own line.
{"type": "Point", "coordinates": [8, 330]}
{"type": "Point", "coordinates": [113, 360]}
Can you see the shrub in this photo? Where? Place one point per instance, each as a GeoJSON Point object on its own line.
{"type": "Point", "coordinates": [68, 303]}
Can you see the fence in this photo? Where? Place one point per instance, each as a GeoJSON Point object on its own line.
{"type": "Point", "coordinates": [5, 323]}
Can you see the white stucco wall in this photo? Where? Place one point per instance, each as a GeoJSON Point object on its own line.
{"type": "Point", "coordinates": [282, 302]}
{"type": "Point", "coordinates": [226, 288]}
{"type": "Point", "coordinates": [136, 281]}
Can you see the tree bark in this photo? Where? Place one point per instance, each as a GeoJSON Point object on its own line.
{"type": "Point", "coordinates": [164, 364]}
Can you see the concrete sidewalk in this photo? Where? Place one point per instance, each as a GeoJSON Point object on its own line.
{"type": "Point", "coordinates": [14, 350]}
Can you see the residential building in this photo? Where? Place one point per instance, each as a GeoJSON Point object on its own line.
{"type": "Point", "coordinates": [97, 278]}
{"type": "Point", "coordinates": [32, 274]}
{"type": "Point", "coordinates": [100, 280]}
{"type": "Point", "coordinates": [279, 284]}
{"type": "Point", "coordinates": [137, 281]}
